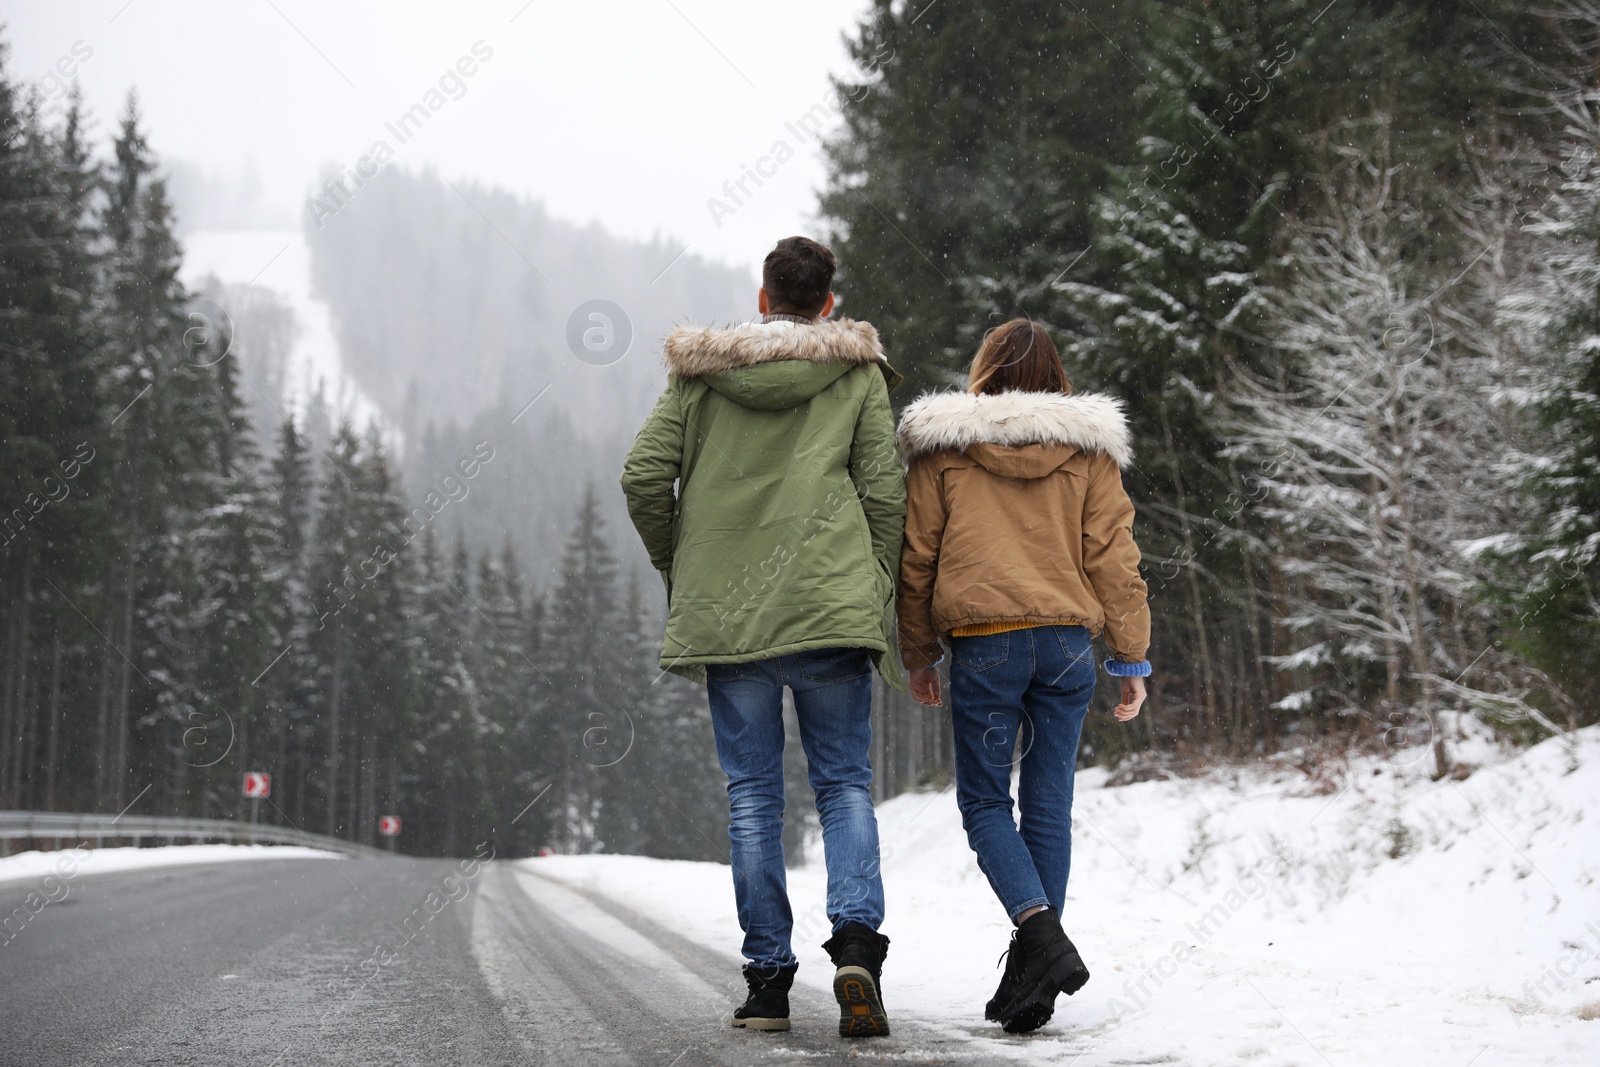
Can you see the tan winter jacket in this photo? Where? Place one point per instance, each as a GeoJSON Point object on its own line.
{"type": "Point", "coordinates": [1015, 513]}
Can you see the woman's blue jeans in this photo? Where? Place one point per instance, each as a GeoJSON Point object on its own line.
{"type": "Point", "coordinates": [1020, 698]}
{"type": "Point", "coordinates": [833, 703]}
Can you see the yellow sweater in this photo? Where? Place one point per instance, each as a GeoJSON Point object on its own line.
{"type": "Point", "coordinates": [985, 628]}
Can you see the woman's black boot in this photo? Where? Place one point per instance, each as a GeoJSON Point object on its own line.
{"type": "Point", "coordinates": [1006, 992]}
{"type": "Point", "coordinates": [1050, 965]}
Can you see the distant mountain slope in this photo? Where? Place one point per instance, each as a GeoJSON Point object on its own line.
{"type": "Point", "coordinates": [449, 300]}
{"type": "Point", "coordinates": [283, 335]}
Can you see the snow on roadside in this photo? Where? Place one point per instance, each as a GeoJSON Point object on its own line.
{"type": "Point", "coordinates": [1251, 915]}
{"type": "Point", "coordinates": [70, 863]}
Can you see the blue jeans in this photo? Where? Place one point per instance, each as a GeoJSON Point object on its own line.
{"type": "Point", "coordinates": [1034, 684]}
{"type": "Point", "coordinates": [833, 702]}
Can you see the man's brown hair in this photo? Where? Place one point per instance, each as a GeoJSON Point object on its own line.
{"type": "Point", "coordinates": [797, 275]}
{"type": "Point", "coordinates": [1018, 356]}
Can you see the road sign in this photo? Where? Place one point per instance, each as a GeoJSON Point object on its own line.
{"type": "Point", "coordinates": [257, 784]}
{"type": "Point", "coordinates": [389, 825]}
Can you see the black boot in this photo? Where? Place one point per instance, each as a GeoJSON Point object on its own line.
{"type": "Point", "coordinates": [1010, 983]}
{"type": "Point", "coordinates": [767, 1006]}
{"type": "Point", "coordinates": [858, 952]}
{"type": "Point", "coordinates": [1050, 965]}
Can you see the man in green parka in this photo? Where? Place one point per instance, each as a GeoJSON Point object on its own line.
{"type": "Point", "coordinates": [768, 492]}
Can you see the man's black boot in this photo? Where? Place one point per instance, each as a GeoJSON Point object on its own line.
{"type": "Point", "coordinates": [858, 951]}
{"type": "Point", "coordinates": [1050, 965]}
{"type": "Point", "coordinates": [1010, 982]}
{"type": "Point", "coordinates": [767, 1006]}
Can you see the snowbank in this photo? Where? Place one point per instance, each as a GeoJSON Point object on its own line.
{"type": "Point", "coordinates": [75, 863]}
{"type": "Point", "coordinates": [1253, 915]}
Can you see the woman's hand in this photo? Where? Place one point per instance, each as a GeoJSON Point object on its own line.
{"type": "Point", "coordinates": [1132, 698]}
{"type": "Point", "coordinates": [925, 686]}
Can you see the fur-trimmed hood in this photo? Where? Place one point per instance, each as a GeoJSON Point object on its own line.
{"type": "Point", "coordinates": [698, 351]}
{"type": "Point", "coordinates": [1091, 421]}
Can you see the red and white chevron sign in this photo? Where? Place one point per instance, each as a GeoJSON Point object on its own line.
{"type": "Point", "coordinates": [389, 825]}
{"type": "Point", "coordinates": [257, 784]}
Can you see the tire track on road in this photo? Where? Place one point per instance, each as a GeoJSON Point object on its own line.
{"type": "Point", "coordinates": [539, 938]}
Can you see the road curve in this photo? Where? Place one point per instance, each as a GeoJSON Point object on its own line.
{"type": "Point", "coordinates": [387, 961]}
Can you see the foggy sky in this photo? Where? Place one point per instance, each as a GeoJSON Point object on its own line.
{"type": "Point", "coordinates": [631, 114]}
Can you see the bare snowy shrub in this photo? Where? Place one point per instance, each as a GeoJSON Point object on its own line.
{"type": "Point", "coordinates": [1376, 449]}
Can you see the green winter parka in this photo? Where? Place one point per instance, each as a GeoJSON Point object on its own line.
{"type": "Point", "coordinates": [767, 489]}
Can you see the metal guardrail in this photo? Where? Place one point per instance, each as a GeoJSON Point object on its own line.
{"type": "Point", "coordinates": [73, 829]}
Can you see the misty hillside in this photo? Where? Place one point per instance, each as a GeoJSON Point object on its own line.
{"type": "Point", "coordinates": [448, 302]}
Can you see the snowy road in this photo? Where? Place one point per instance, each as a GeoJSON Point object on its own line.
{"type": "Point", "coordinates": [1236, 917]}
{"type": "Point", "coordinates": [310, 961]}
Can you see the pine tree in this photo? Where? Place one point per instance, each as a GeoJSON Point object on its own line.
{"type": "Point", "coordinates": [235, 608]}
{"type": "Point", "coordinates": [169, 470]}
{"type": "Point", "coordinates": [534, 772]}
{"type": "Point", "coordinates": [636, 792]}
{"type": "Point", "coordinates": [289, 679]}
{"type": "Point", "coordinates": [335, 589]}
{"type": "Point", "coordinates": [451, 799]}
{"type": "Point", "coordinates": [364, 643]}
{"type": "Point", "coordinates": [584, 731]}
{"type": "Point", "coordinates": [54, 534]}
{"type": "Point", "coordinates": [383, 710]}
{"type": "Point", "coordinates": [501, 665]}
{"type": "Point", "coordinates": [975, 136]}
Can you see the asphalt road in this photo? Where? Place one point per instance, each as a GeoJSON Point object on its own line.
{"type": "Point", "coordinates": [390, 961]}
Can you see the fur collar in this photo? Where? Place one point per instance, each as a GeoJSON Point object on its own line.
{"type": "Point", "coordinates": [1093, 422]}
{"type": "Point", "coordinates": [695, 351]}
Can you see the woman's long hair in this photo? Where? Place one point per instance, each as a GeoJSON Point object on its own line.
{"type": "Point", "coordinates": [1018, 356]}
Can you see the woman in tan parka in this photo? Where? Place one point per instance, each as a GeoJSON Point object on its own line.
{"type": "Point", "coordinates": [1018, 550]}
